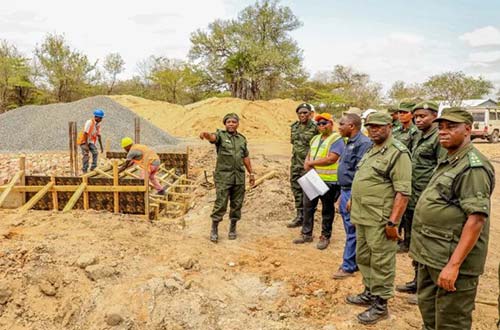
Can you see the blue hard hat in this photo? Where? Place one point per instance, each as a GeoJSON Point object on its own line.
{"type": "Point", "coordinates": [99, 113]}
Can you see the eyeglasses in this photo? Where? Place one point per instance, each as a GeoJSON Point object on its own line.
{"type": "Point", "coordinates": [323, 123]}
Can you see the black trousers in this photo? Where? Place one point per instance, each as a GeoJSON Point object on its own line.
{"type": "Point", "coordinates": [327, 214]}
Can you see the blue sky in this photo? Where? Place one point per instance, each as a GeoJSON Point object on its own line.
{"type": "Point", "coordinates": [390, 40]}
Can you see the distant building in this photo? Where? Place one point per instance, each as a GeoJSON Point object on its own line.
{"type": "Point", "coordinates": [473, 103]}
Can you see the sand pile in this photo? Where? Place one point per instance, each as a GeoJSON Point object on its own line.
{"type": "Point", "coordinates": [262, 120]}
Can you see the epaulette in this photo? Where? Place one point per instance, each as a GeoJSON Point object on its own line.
{"type": "Point", "coordinates": [400, 146]}
{"type": "Point", "coordinates": [474, 160]}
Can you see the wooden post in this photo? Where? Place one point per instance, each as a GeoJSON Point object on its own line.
{"type": "Point", "coordinates": [71, 156]}
{"type": "Point", "coordinates": [5, 193]}
{"type": "Point", "coordinates": [146, 194]}
{"type": "Point", "coordinates": [75, 148]}
{"type": "Point", "coordinates": [39, 195]}
{"type": "Point", "coordinates": [115, 184]}
{"type": "Point", "coordinates": [55, 202]}
{"type": "Point", "coordinates": [85, 194]}
{"type": "Point", "coordinates": [22, 167]}
{"type": "Point", "coordinates": [72, 201]}
{"type": "Point", "coordinates": [137, 126]}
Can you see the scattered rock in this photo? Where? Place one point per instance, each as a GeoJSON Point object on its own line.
{"type": "Point", "coordinates": [47, 288]}
{"type": "Point", "coordinates": [113, 319]}
{"type": "Point", "coordinates": [231, 264]}
{"type": "Point", "coordinates": [98, 272]}
{"type": "Point", "coordinates": [188, 284]}
{"type": "Point", "coordinates": [188, 263]}
{"type": "Point", "coordinates": [329, 327]}
{"type": "Point", "coordinates": [276, 263]}
{"type": "Point", "coordinates": [171, 285]}
{"type": "Point", "coordinates": [86, 259]}
{"type": "Point", "coordinates": [5, 293]}
{"type": "Point", "coordinates": [319, 293]}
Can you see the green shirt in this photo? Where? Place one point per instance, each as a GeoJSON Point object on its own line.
{"type": "Point", "coordinates": [460, 186]}
{"type": "Point", "coordinates": [231, 149]}
{"type": "Point", "coordinates": [300, 137]}
{"type": "Point", "coordinates": [424, 159]}
{"type": "Point", "coordinates": [406, 136]}
{"type": "Point", "coordinates": [383, 171]}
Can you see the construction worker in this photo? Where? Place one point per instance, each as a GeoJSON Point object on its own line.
{"type": "Point", "coordinates": [302, 131]}
{"type": "Point", "coordinates": [380, 193]}
{"type": "Point", "coordinates": [451, 227]}
{"type": "Point", "coordinates": [325, 150]}
{"type": "Point", "coordinates": [407, 130]}
{"type": "Point", "coordinates": [356, 146]}
{"type": "Point", "coordinates": [229, 176]}
{"type": "Point", "coordinates": [87, 140]}
{"type": "Point", "coordinates": [425, 155]}
{"type": "Point", "coordinates": [146, 158]}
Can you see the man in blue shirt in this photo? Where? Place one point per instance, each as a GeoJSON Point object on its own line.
{"type": "Point", "coordinates": [356, 146]}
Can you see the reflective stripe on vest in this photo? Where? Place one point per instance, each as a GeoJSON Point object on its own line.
{"type": "Point", "coordinates": [148, 155]}
{"type": "Point", "coordinates": [320, 149]}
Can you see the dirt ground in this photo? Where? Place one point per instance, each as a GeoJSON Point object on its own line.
{"type": "Point", "coordinates": [93, 270]}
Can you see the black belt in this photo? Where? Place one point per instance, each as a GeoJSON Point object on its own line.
{"type": "Point", "coordinates": [345, 187]}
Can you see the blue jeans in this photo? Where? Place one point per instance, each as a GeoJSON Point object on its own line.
{"type": "Point", "coordinates": [349, 258]}
{"type": "Point", "coordinates": [85, 153]}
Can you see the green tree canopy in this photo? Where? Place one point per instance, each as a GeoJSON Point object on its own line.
{"type": "Point", "coordinates": [113, 65]}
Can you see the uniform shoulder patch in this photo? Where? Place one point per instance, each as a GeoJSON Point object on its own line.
{"type": "Point", "coordinates": [400, 146]}
{"type": "Point", "coordinates": [474, 160]}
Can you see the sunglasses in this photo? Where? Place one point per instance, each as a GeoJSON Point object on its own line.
{"type": "Point", "coordinates": [323, 123]}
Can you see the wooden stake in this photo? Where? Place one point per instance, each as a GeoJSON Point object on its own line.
{"type": "Point", "coordinates": [72, 201]}
{"type": "Point", "coordinates": [116, 195]}
{"type": "Point", "coordinates": [71, 156]}
{"type": "Point", "coordinates": [39, 195]}
{"type": "Point", "coordinates": [85, 194]}
{"type": "Point", "coordinates": [55, 202]}
{"type": "Point", "coordinates": [146, 195]}
{"type": "Point", "coordinates": [9, 187]}
{"type": "Point", "coordinates": [22, 167]}
{"type": "Point", "coordinates": [75, 147]}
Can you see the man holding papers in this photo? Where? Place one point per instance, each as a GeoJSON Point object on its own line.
{"type": "Point", "coordinates": [325, 150]}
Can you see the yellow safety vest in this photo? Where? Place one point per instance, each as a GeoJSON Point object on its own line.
{"type": "Point", "coordinates": [319, 149]}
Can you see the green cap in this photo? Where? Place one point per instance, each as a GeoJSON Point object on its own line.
{"type": "Point", "coordinates": [427, 105]}
{"type": "Point", "coordinates": [392, 109]}
{"type": "Point", "coordinates": [354, 110]}
{"type": "Point", "coordinates": [230, 115]}
{"type": "Point", "coordinates": [378, 118]}
{"type": "Point", "coordinates": [406, 106]}
{"type": "Point", "coordinates": [455, 115]}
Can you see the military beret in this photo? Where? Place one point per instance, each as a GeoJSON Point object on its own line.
{"type": "Point", "coordinates": [455, 115]}
{"type": "Point", "coordinates": [306, 106]}
{"type": "Point", "coordinates": [427, 105]}
{"type": "Point", "coordinates": [378, 118]}
{"type": "Point", "coordinates": [230, 115]}
{"type": "Point", "coordinates": [406, 106]}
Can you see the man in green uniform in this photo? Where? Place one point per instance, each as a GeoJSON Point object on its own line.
{"type": "Point", "coordinates": [451, 227]}
{"type": "Point", "coordinates": [425, 155]}
{"type": "Point", "coordinates": [393, 111]}
{"type": "Point", "coordinates": [407, 131]}
{"type": "Point", "coordinates": [229, 175]}
{"type": "Point", "coordinates": [380, 193]}
{"type": "Point", "coordinates": [302, 131]}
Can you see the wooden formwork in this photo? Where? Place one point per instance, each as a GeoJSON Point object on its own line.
{"type": "Point", "coordinates": [105, 189]}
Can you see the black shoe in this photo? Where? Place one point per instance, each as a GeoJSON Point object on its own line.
{"type": "Point", "coordinates": [365, 298]}
{"type": "Point", "coordinates": [232, 231]}
{"type": "Point", "coordinates": [297, 222]}
{"type": "Point", "coordinates": [408, 287]}
{"type": "Point", "coordinates": [214, 234]}
{"type": "Point", "coordinates": [323, 243]}
{"type": "Point", "coordinates": [303, 239]}
{"type": "Point", "coordinates": [378, 311]}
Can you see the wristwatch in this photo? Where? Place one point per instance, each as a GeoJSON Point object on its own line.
{"type": "Point", "coordinates": [391, 224]}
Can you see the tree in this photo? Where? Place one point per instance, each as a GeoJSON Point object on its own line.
{"type": "Point", "coordinates": [454, 87]}
{"type": "Point", "coordinates": [402, 91]}
{"type": "Point", "coordinates": [15, 75]}
{"type": "Point", "coordinates": [253, 56]}
{"type": "Point", "coordinates": [114, 65]}
{"type": "Point", "coordinates": [68, 73]}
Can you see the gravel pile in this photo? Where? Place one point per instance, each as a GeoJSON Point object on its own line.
{"type": "Point", "coordinates": [45, 128]}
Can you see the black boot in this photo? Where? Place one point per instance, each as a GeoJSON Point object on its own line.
{"type": "Point", "coordinates": [410, 287]}
{"type": "Point", "coordinates": [214, 234]}
{"type": "Point", "coordinates": [297, 222]}
{"type": "Point", "coordinates": [365, 298]}
{"type": "Point", "coordinates": [378, 311]}
{"type": "Point", "coordinates": [232, 230]}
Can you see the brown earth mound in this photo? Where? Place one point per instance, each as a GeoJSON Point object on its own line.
{"type": "Point", "coordinates": [260, 120]}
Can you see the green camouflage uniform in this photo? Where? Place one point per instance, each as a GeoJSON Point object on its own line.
{"type": "Point", "coordinates": [229, 175]}
{"type": "Point", "coordinates": [382, 172]}
{"type": "Point", "coordinates": [300, 137]}
{"type": "Point", "coordinates": [461, 185]}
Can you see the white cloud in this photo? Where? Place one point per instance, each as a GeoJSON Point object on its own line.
{"type": "Point", "coordinates": [486, 36]}
{"type": "Point", "coordinates": [484, 57]}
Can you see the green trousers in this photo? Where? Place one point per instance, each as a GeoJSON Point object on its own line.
{"type": "Point", "coordinates": [296, 171]}
{"type": "Point", "coordinates": [443, 310]}
{"type": "Point", "coordinates": [376, 259]}
{"type": "Point", "coordinates": [235, 194]}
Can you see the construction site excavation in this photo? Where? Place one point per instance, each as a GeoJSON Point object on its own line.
{"type": "Point", "coordinates": [106, 248]}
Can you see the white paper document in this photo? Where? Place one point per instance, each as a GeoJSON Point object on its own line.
{"type": "Point", "coordinates": [312, 185]}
